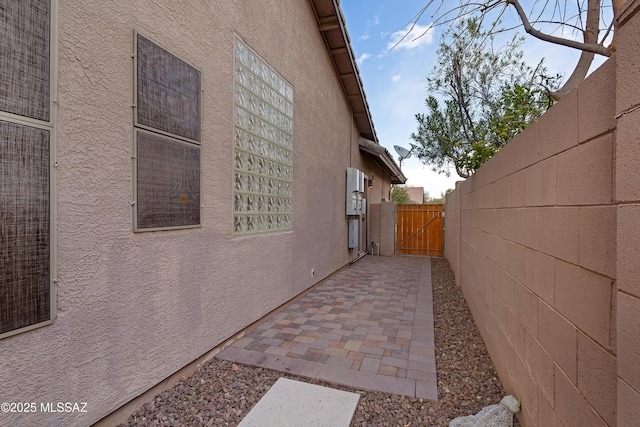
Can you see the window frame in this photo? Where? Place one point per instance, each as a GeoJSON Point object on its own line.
{"type": "Point", "coordinates": [139, 127]}
{"type": "Point", "coordinates": [287, 97]}
{"type": "Point", "coordinates": [49, 126]}
{"type": "Point", "coordinates": [136, 228]}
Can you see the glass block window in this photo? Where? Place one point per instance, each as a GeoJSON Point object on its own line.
{"type": "Point", "coordinates": [24, 57]}
{"type": "Point", "coordinates": [263, 148]}
{"type": "Point", "coordinates": [27, 298]}
{"type": "Point", "coordinates": [167, 159]}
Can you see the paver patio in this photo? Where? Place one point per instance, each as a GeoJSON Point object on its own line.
{"type": "Point", "coordinates": [369, 326]}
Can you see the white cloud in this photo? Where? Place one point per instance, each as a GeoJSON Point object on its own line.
{"type": "Point", "coordinates": [396, 77]}
{"type": "Point", "coordinates": [363, 58]}
{"type": "Point", "coordinates": [410, 38]}
{"type": "Point", "coordinates": [394, 111]}
{"type": "Point", "coordinates": [363, 37]}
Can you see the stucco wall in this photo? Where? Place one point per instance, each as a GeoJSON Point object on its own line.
{"type": "Point", "coordinates": [133, 308]}
{"type": "Point", "coordinates": [543, 240]}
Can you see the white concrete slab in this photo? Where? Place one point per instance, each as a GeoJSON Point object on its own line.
{"type": "Point", "coordinates": [290, 403]}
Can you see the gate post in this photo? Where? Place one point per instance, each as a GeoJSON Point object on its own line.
{"type": "Point", "coordinates": [388, 222]}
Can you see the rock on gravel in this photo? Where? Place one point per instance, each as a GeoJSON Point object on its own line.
{"type": "Point", "coordinates": [221, 393]}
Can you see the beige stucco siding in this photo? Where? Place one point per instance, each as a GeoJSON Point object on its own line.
{"type": "Point", "coordinates": [135, 307]}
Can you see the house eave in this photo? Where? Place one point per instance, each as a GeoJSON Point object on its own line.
{"type": "Point", "coordinates": [382, 156]}
{"type": "Point", "coordinates": [332, 25]}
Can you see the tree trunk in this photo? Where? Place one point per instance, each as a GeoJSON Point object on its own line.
{"type": "Point", "coordinates": [591, 33]}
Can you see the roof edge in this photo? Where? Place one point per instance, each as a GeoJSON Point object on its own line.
{"type": "Point", "coordinates": [332, 26]}
{"type": "Point", "coordinates": [384, 158]}
{"type": "Point", "coordinates": [329, 17]}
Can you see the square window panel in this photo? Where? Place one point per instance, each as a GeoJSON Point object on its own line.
{"type": "Point", "coordinates": [24, 57]}
{"type": "Point", "coordinates": [24, 227]}
{"type": "Point", "coordinates": [263, 146]}
{"type": "Point", "coordinates": [167, 182]}
{"type": "Point", "coordinates": [168, 91]}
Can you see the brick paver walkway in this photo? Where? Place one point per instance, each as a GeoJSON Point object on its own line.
{"type": "Point", "coordinates": [369, 326]}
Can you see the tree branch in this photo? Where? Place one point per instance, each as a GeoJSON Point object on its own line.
{"type": "Point", "coordinates": [460, 172]}
{"type": "Point", "coordinates": [588, 47]}
{"type": "Point", "coordinates": [461, 101]}
{"type": "Point", "coordinates": [578, 75]}
{"type": "Point", "coordinates": [586, 58]}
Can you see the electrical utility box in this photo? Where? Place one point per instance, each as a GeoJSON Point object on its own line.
{"type": "Point", "coordinates": [355, 189]}
{"type": "Point", "coordinates": [354, 227]}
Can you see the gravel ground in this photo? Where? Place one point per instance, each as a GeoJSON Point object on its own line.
{"type": "Point", "coordinates": [221, 393]}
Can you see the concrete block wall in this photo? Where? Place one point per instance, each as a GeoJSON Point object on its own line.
{"type": "Point", "coordinates": [452, 232]}
{"type": "Point", "coordinates": [544, 241]}
{"type": "Point", "coordinates": [374, 223]}
{"type": "Point", "coordinates": [627, 194]}
{"type": "Point", "coordinates": [388, 221]}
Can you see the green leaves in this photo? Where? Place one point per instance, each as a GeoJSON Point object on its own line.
{"type": "Point", "coordinates": [486, 97]}
{"type": "Point", "coordinates": [399, 195]}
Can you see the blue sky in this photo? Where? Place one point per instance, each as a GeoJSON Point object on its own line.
{"type": "Point", "coordinates": [395, 79]}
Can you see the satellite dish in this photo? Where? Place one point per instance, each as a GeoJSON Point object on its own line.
{"type": "Point", "coordinates": [403, 152]}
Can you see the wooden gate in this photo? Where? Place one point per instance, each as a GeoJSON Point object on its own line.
{"type": "Point", "coordinates": [420, 230]}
